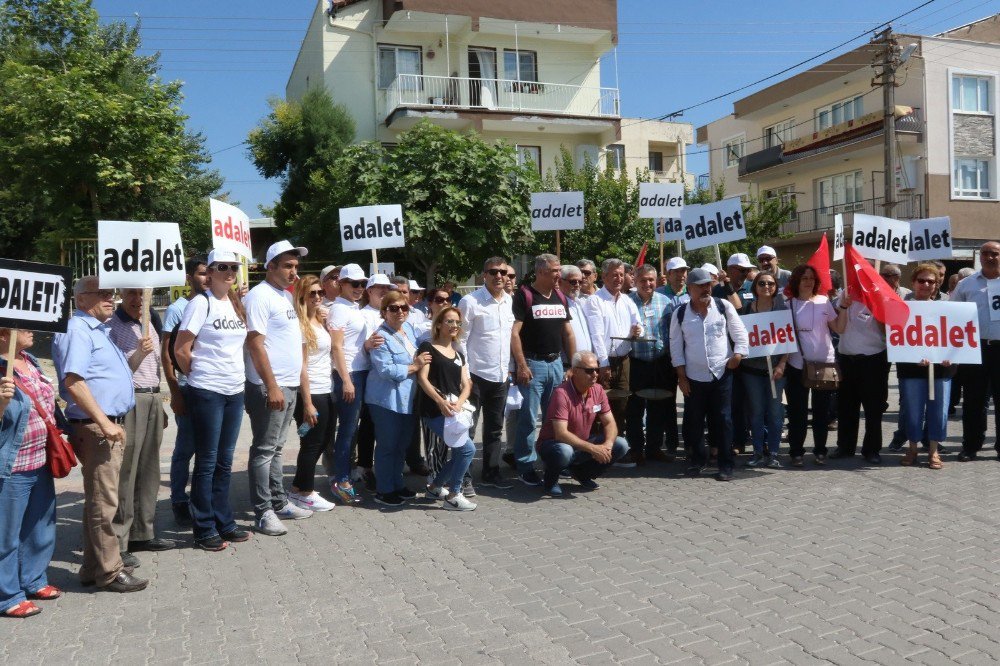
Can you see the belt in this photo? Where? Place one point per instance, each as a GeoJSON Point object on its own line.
{"type": "Point", "coordinates": [114, 419]}
{"type": "Point", "coordinates": [548, 358]}
{"type": "Point", "coordinates": [990, 343]}
{"type": "Point", "coordinates": [153, 389]}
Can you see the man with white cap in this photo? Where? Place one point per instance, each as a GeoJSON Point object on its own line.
{"type": "Point", "coordinates": [274, 347]}
{"type": "Point", "coordinates": [417, 299]}
{"type": "Point", "coordinates": [675, 289]}
{"type": "Point", "coordinates": [329, 280]}
{"type": "Point", "coordinates": [676, 292]}
{"type": "Point", "coordinates": [738, 269]}
{"type": "Point", "coordinates": [767, 260]}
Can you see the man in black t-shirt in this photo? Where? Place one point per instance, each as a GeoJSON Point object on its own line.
{"type": "Point", "coordinates": [541, 334]}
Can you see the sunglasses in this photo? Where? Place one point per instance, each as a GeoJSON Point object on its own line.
{"type": "Point", "coordinates": [226, 267]}
{"type": "Point", "coordinates": [496, 272]}
{"type": "Point", "coordinates": [589, 371]}
{"type": "Point", "coordinates": [357, 284]}
{"type": "Point", "coordinates": [512, 276]}
{"type": "Point", "coordinates": [103, 294]}
{"type": "Point", "coordinates": [889, 276]}
{"type": "Point", "coordinates": [395, 309]}
{"type": "Point", "coordinates": [453, 322]}
{"type": "Point", "coordinates": [926, 280]}
{"type": "Point", "coordinates": [575, 283]}
{"type": "Point", "coordinates": [586, 273]}
{"type": "Point", "coordinates": [767, 284]}
{"type": "Point", "coordinates": [439, 300]}
{"type": "Point", "coordinates": [316, 292]}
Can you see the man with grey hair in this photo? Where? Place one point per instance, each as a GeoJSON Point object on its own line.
{"type": "Point", "coordinates": [570, 281]}
{"type": "Point", "coordinates": [589, 285]}
{"type": "Point", "coordinates": [96, 382]}
{"type": "Point", "coordinates": [614, 320]}
{"type": "Point", "coordinates": [891, 274]}
{"type": "Point", "coordinates": [541, 334]}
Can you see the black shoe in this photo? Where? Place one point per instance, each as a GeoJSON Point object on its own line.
{"type": "Point", "coordinates": [130, 560]}
{"type": "Point", "coordinates": [529, 478]}
{"type": "Point", "coordinates": [92, 582]}
{"type": "Point", "coordinates": [942, 449]}
{"type": "Point", "coordinates": [212, 544]}
{"type": "Point", "coordinates": [693, 472]}
{"type": "Point", "coordinates": [420, 470]}
{"type": "Point", "coordinates": [388, 499]}
{"type": "Point", "coordinates": [182, 514]}
{"type": "Point", "coordinates": [873, 459]}
{"type": "Point", "coordinates": [406, 494]}
{"type": "Point", "coordinates": [152, 545]}
{"type": "Point", "coordinates": [495, 480]}
{"type": "Point", "coordinates": [724, 475]}
{"type": "Point", "coordinates": [368, 476]}
{"type": "Point", "coordinates": [509, 458]}
{"type": "Point", "coordinates": [965, 456]}
{"type": "Point", "coordinates": [236, 535]}
{"type": "Point", "coordinates": [839, 453]}
{"type": "Point", "coordinates": [126, 582]}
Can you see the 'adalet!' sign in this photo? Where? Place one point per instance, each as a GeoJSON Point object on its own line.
{"type": "Point", "coordinates": [34, 297]}
{"type": "Point", "coordinates": [371, 227]}
{"type": "Point", "coordinates": [937, 331]}
{"type": "Point", "coordinates": [139, 254]}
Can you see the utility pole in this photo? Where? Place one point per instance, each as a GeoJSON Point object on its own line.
{"type": "Point", "coordinates": [888, 60]}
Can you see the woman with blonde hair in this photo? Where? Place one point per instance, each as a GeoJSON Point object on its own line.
{"type": "Point", "coordinates": [314, 410]}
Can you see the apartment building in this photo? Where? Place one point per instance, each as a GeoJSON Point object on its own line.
{"type": "Point", "coordinates": [817, 138]}
{"type": "Point", "coordinates": [656, 145]}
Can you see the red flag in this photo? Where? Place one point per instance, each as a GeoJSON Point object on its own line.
{"type": "Point", "coordinates": [820, 261]}
{"type": "Point", "coordinates": [641, 259]}
{"type": "Point", "coordinates": [864, 284]}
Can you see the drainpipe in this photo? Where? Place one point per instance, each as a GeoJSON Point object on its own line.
{"type": "Point", "coordinates": [447, 47]}
{"type": "Point", "coordinates": [517, 61]}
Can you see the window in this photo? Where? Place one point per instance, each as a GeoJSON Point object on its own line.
{"type": "Point", "coordinates": [616, 156]}
{"type": "Point", "coordinates": [655, 160]}
{"type": "Point", "coordinates": [784, 193]}
{"type": "Point", "coordinates": [778, 134]}
{"type": "Point", "coordinates": [839, 112]}
{"type": "Point", "coordinates": [840, 193]}
{"type": "Point", "coordinates": [970, 94]}
{"type": "Point", "coordinates": [530, 155]}
{"type": "Point", "coordinates": [521, 69]}
{"type": "Point", "coordinates": [733, 149]}
{"type": "Point", "coordinates": [972, 178]}
{"type": "Point", "coordinates": [396, 60]}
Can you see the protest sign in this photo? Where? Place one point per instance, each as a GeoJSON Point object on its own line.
{"type": "Point", "coordinates": [993, 298]}
{"type": "Point", "coordinates": [371, 227]}
{"type": "Point", "coordinates": [930, 238]}
{"type": "Point", "coordinates": [770, 333]}
{"type": "Point", "coordinates": [230, 228]}
{"type": "Point", "coordinates": [713, 223]}
{"type": "Point", "coordinates": [139, 254]}
{"type": "Point", "coordinates": [34, 297]}
{"type": "Point", "coordinates": [553, 211]}
{"type": "Point", "coordinates": [661, 199]}
{"type": "Point", "coordinates": [666, 229]}
{"type": "Point", "coordinates": [881, 238]}
{"type": "Point", "coordinates": [838, 237]}
{"type": "Point", "coordinates": [936, 331]}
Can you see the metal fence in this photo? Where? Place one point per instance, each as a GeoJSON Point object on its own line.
{"type": "Point", "coordinates": [908, 207]}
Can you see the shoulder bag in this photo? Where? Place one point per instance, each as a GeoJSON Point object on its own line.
{"type": "Point", "coordinates": [58, 452]}
{"type": "Point", "coordinates": [818, 375]}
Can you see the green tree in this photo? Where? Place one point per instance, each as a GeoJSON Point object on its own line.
{"type": "Point", "coordinates": [297, 139]}
{"type": "Point", "coordinates": [88, 131]}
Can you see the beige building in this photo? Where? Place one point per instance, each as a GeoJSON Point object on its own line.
{"type": "Point", "coordinates": [658, 146]}
{"type": "Point", "coordinates": [817, 138]}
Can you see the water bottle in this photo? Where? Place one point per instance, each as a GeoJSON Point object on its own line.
{"type": "Point", "coordinates": [305, 427]}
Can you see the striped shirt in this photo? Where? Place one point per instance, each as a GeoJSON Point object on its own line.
{"type": "Point", "coordinates": [126, 332]}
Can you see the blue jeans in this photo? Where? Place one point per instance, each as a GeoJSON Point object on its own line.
{"type": "Point", "coordinates": [216, 421]}
{"type": "Point", "coordinates": [338, 450]}
{"type": "Point", "coordinates": [453, 472]}
{"type": "Point", "coordinates": [27, 534]}
{"type": "Point", "coordinates": [766, 414]}
{"type": "Point", "coordinates": [546, 375]}
{"type": "Point", "coordinates": [557, 456]}
{"type": "Point", "coordinates": [913, 399]}
{"type": "Point", "coordinates": [180, 459]}
{"type": "Point", "coordinates": [393, 432]}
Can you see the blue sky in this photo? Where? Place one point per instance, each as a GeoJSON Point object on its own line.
{"type": "Point", "coordinates": [233, 56]}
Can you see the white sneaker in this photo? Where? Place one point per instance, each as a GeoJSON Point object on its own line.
{"type": "Point", "coordinates": [293, 512]}
{"type": "Point", "coordinates": [459, 503]}
{"type": "Point", "coordinates": [311, 502]}
{"type": "Point", "coordinates": [435, 493]}
{"type": "Point", "coordinates": [270, 525]}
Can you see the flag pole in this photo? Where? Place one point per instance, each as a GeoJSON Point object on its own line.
{"type": "Point", "coordinates": [558, 246]}
{"type": "Point", "coordinates": [770, 377]}
{"type": "Point", "coordinates": [11, 352]}
{"type": "Point", "coordinates": [718, 258]}
{"type": "Point", "coordinates": [930, 382]}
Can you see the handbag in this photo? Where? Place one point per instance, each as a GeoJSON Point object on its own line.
{"type": "Point", "coordinates": [58, 452]}
{"type": "Point", "coordinates": [818, 375]}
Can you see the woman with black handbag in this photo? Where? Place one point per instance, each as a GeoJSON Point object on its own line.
{"type": "Point", "coordinates": [27, 493]}
{"type": "Point", "coordinates": [811, 370]}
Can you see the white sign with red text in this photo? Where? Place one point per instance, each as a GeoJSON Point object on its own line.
{"type": "Point", "coordinates": [936, 331]}
{"type": "Point", "coordinates": [770, 333]}
{"type": "Point", "coordinates": [230, 228]}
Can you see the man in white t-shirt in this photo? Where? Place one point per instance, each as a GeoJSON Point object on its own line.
{"type": "Point", "coordinates": [273, 367]}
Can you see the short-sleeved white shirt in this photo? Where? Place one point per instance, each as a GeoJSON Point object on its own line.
{"type": "Point", "coordinates": [812, 321]}
{"type": "Point", "coordinates": [270, 312]}
{"type": "Point", "coordinates": [217, 352]}
{"type": "Point", "coordinates": [345, 316]}
{"type": "Point", "coordinates": [319, 367]}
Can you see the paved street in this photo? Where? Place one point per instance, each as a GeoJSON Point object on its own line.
{"type": "Point", "coordinates": [843, 565]}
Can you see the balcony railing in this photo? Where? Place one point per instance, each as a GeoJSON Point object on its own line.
{"type": "Point", "coordinates": [908, 207]}
{"type": "Point", "coordinates": [455, 92]}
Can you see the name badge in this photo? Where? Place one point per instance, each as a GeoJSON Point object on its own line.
{"type": "Point", "coordinates": [597, 409]}
{"type": "Point", "coordinates": [458, 361]}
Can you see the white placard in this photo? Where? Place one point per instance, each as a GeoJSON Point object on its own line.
{"type": "Point", "coordinates": [552, 211]}
{"type": "Point", "coordinates": [33, 296]}
{"type": "Point", "coordinates": [881, 238]}
{"type": "Point", "coordinates": [661, 199]}
{"type": "Point", "coordinates": [387, 267]}
{"type": "Point", "coordinates": [713, 223]}
{"type": "Point", "coordinates": [838, 237]}
{"type": "Point", "coordinates": [668, 229]}
{"type": "Point", "coordinates": [770, 333]}
{"type": "Point", "coordinates": [936, 331]}
{"type": "Point", "coordinates": [930, 238]}
{"type": "Point", "coordinates": [139, 254]}
{"type": "Point", "coordinates": [371, 227]}
{"type": "Point", "coordinates": [230, 228]}
{"type": "Point", "coordinates": [993, 298]}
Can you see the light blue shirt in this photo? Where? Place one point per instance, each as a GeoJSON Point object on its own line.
{"type": "Point", "coordinates": [973, 290]}
{"type": "Point", "coordinates": [172, 317]}
{"type": "Point", "coordinates": [86, 350]}
{"type": "Point", "coordinates": [389, 385]}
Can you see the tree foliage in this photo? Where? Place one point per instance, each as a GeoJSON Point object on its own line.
{"type": "Point", "coordinates": [88, 130]}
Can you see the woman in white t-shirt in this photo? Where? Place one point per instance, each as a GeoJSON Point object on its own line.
{"type": "Point", "coordinates": [815, 317]}
{"type": "Point", "coordinates": [209, 350]}
{"type": "Point", "coordinates": [315, 406]}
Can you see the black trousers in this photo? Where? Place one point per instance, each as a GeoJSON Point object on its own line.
{"type": "Point", "coordinates": [980, 382]}
{"type": "Point", "coordinates": [797, 396]}
{"type": "Point", "coordinates": [712, 402]}
{"type": "Point", "coordinates": [312, 445]}
{"type": "Point", "coordinates": [490, 399]}
{"type": "Point", "coordinates": [864, 384]}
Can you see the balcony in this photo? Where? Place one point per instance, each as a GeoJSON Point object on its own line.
{"type": "Point", "coordinates": [418, 92]}
{"type": "Point", "coordinates": [908, 207]}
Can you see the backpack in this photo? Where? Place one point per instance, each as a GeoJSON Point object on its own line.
{"type": "Point", "coordinates": [679, 313]}
{"type": "Point", "coordinates": [528, 298]}
{"type": "Point", "coordinates": [173, 335]}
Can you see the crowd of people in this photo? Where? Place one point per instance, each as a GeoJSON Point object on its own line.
{"type": "Point", "coordinates": [582, 369]}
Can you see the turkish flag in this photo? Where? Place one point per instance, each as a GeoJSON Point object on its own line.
{"type": "Point", "coordinates": [641, 259]}
{"type": "Point", "coordinates": [864, 284]}
{"type": "Point", "coordinates": [820, 261]}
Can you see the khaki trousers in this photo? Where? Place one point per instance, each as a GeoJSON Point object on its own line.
{"type": "Point", "coordinates": [101, 462]}
{"type": "Point", "coordinates": [140, 472]}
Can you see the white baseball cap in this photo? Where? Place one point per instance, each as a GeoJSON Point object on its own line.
{"type": "Point", "coordinates": [766, 251]}
{"type": "Point", "coordinates": [351, 272]}
{"type": "Point", "coordinates": [326, 271]}
{"type": "Point", "coordinates": [710, 268]}
{"type": "Point", "coordinates": [378, 278]}
{"type": "Point", "coordinates": [676, 262]}
{"type": "Point", "coordinates": [282, 247]}
{"type": "Point", "coordinates": [415, 287]}
{"type": "Point", "coordinates": [222, 257]}
{"type": "Point", "coordinates": [741, 260]}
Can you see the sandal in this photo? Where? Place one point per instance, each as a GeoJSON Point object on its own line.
{"type": "Point", "coordinates": [46, 593]}
{"type": "Point", "coordinates": [908, 458]}
{"type": "Point", "coordinates": [934, 461]}
{"type": "Point", "coordinates": [23, 609]}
